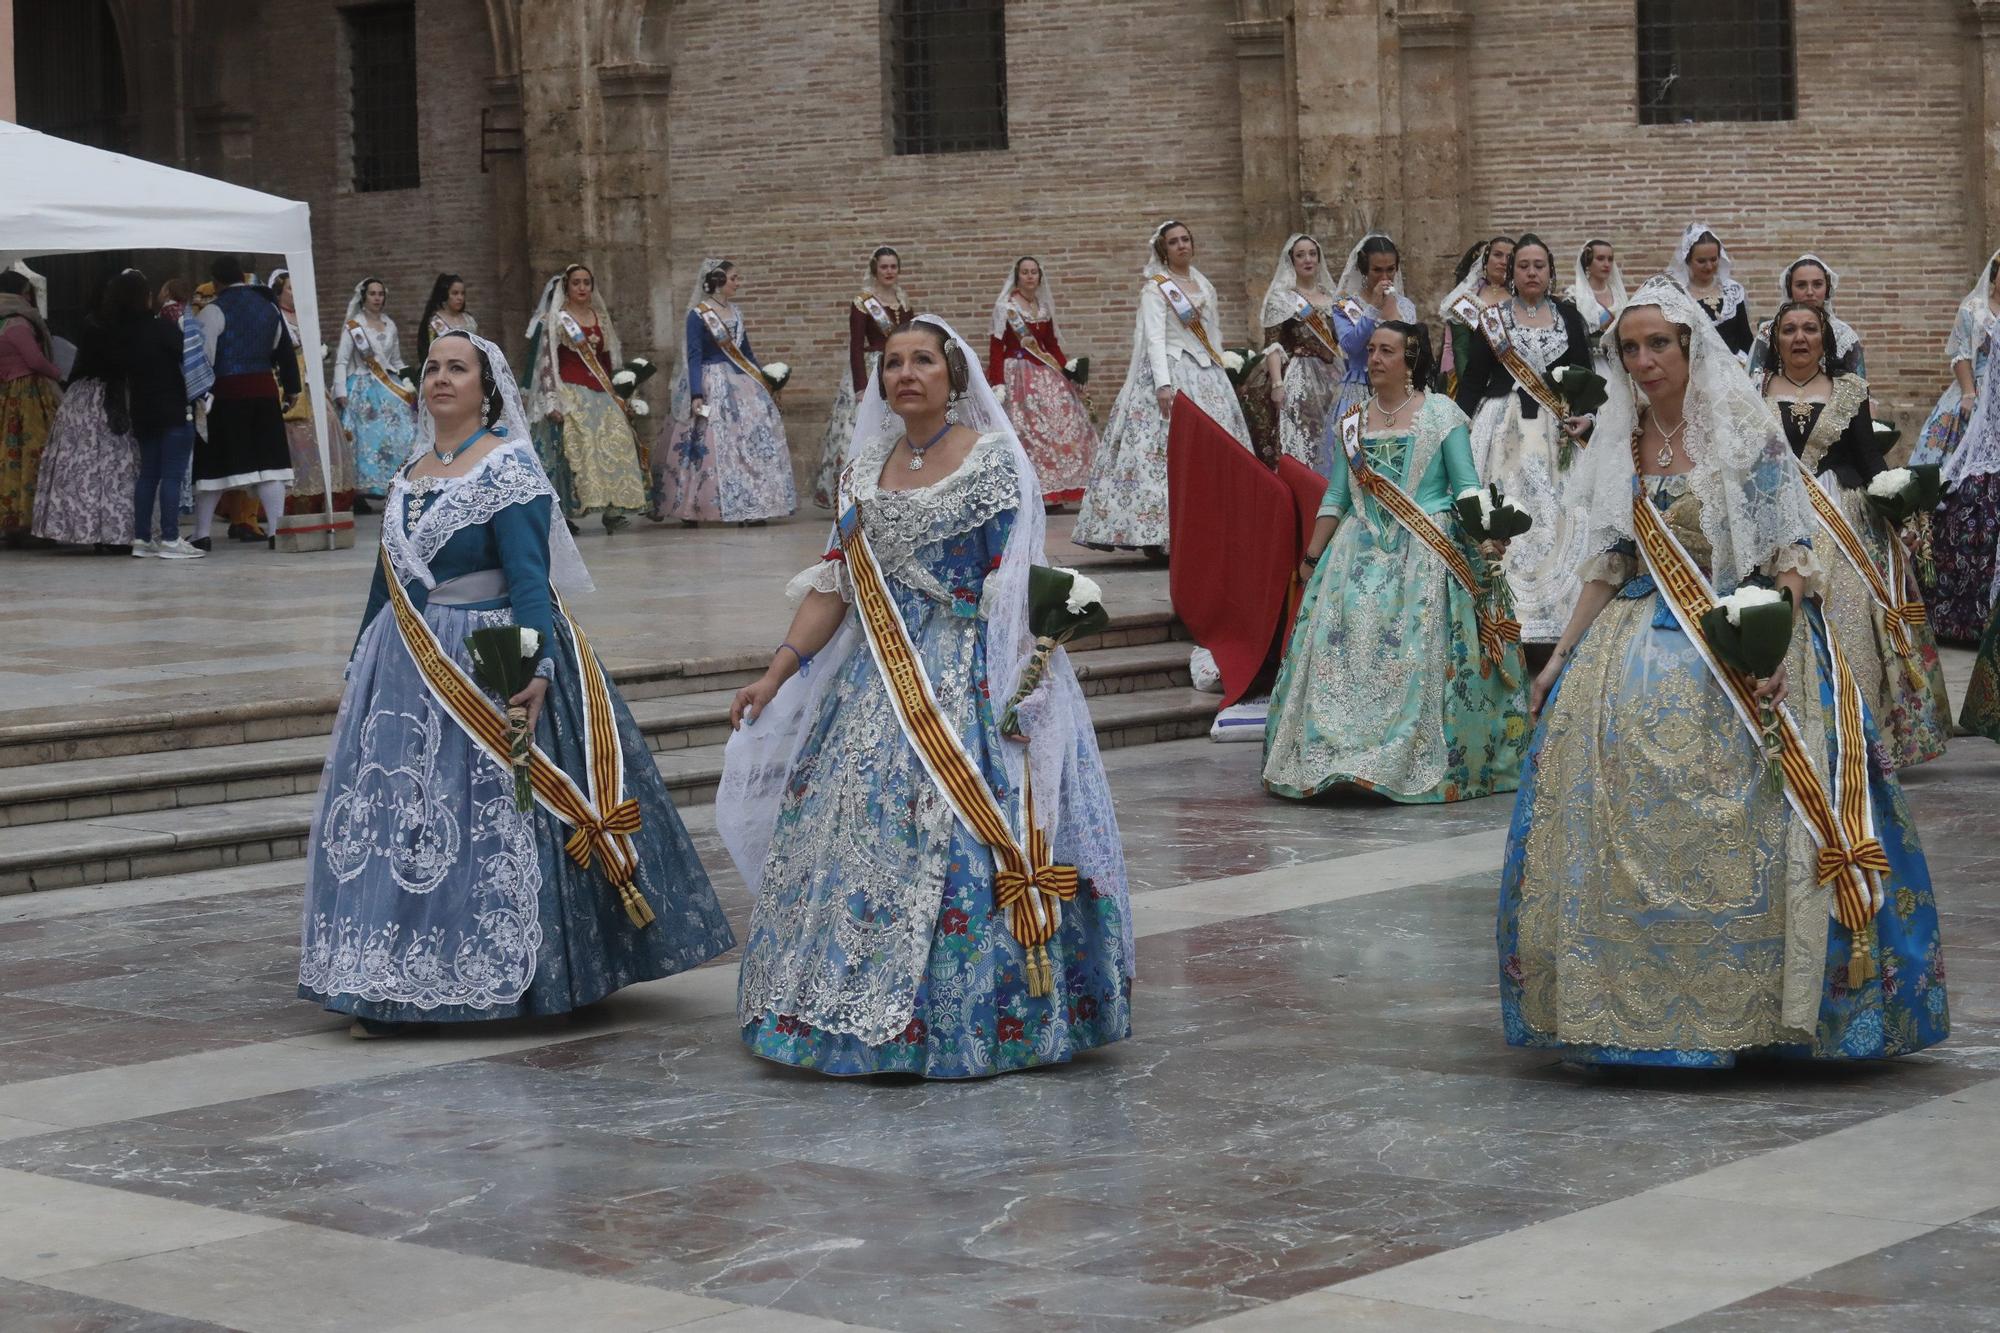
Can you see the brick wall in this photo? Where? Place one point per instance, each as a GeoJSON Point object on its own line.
{"type": "Point", "coordinates": [404, 237]}
{"type": "Point", "coordinates": [1871, 175]}
{"type": "Point", "coordinates": [1119, 116]}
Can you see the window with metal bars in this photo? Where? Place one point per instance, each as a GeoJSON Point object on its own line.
{"type": "Point", "coordinates": [382, 105]}
{"type": "Point", "coordinates": [947, 75]}
{"type": "Point", "coordinates": [1716, 60]}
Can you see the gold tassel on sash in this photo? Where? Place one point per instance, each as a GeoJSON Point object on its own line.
{"type": "Point", "coordinates": [604, 838]}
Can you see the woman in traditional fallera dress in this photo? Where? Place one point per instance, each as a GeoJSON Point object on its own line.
{"type": "Point", "coordinates": [583, 432]}
{"type": "Point", "coordinates": [1824, 412]}
{"type": "Point", "coordinates": [376, 404]}
{"type": "Point", "coordinates": [878, 311]}
{"type": "Point", "coordinates": [1482, 274]}
{"type": "Point", "coordinates": [1967, 524]}
{"type": "Point", "coordinates": [308, 492]}
{"type": "Point", "coordinates": [443, 312]}
{"type": "Point", "coordinates": [1702, 267]}
{"type": "Point", "coordinates": [883, 939]}
{"type": "Point", "coordinates": [726, 458]}
{"type": "Point", "coordinates": [1366, 295]}
{"type": "Point", "coordinates": [1597, 287]}
{"type": "Point", "coordinates": [1384, 687]}
{"type": "Point", "coordinates": [1966, 527]}
{"type": "Point", "coordinates": [1025, 357]}
{"type": "Point", "coordinates": [1661, 903]}
{"type": "Point", "coordinates": [1302, 357]}
{"type": "Point", "coordinates": [1808, 281]}
{"type": "Point", "coordinates": [430, 898]}
{"type": "Point", "coordinates": [1965, 351]}
{"type": "Point", "coordinates": [1519, 445]}
{"type": "Point", "coordinates": [1176, 349]}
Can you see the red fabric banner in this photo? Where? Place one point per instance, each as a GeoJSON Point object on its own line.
{"type": "Point", "coordinates": [1237, 532]}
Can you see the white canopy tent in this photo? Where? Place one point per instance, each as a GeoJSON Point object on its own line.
{"type": "Point", "coordinates": [63, 198]}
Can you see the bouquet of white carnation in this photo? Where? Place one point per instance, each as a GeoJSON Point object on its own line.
{"type": "Point", "coordinates": [1061, 605]}
{"type": "Point", "coordinates": [1751, 631]}
{"type": "Point", "coordinates": [777, 374]}
{"type": "Point", "coordinates": [1901, 493]}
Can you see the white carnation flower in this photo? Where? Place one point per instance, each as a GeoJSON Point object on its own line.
{"type": "Point", "coordinates": [531, 641]}
{"type": "Point", "coordinates": [1070, 365]}
{"type": "Point", "coordinates": [1891, 482]}
{"type": "Point", "coordinates": [624, 379]}
{"type": "Point", "coordinates": [641, 362]}
{"type": "Point", "coordinates": [1746, 598]}
{"type": "Point", "coordinates": [1083, 593]}
{"type": "Point", "coordinates": [1232, 360]}
{"type": "Point", "coordinates": [777, 370]}
{"type": "Point", "coordinates": [639, 408]}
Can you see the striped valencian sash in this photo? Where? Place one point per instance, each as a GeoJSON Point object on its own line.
{"type": "Point", "coordinates": [1493, 325]}
{"type": "Point", "coordinates": [1897, 615]}
{"type": "Point", "coordinates": [1025, 883]}
{"type": "Point", "coordinates": [868, 304]}
{"type": "Point", "coordinates": [712, 320]}
{"type": "Point", "coordinates": [1186, 312]}
{"type": "Point", "coordinates": [1030, 344]}
{"type": "Point", "coordinates": [359, 336]}
{"type": "Point", "coordinates": [1843, 823]}
{"type": "Point", "coordinates": [605, 836]}
{"type": "Point", "coordinates": [1495, 632]}
{"type": "Point", "coordinates": [1316, 323]}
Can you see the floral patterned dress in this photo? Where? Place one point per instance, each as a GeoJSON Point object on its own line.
{"type": "Point", "coordinates": [1383, 687]}
{"type": "Point", "coordinates": [1659, 903]}
{"type": "Point", "coordinates": [875, 945]}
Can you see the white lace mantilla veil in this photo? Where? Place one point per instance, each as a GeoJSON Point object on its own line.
{"type": "Point", "coordinates": [1045, 299]}
{"type": "Point", "coordinates": [1753, 498]}
{"type": "Point", "coordinates": [1278, 304]}
{"type": "Point", "coordinates": [1581, 295]}
{"type": "Point", "coordinates": [541, 374]}
{"type": "Point", "coordinates": [512, 470]}
{"type": "Point", "coordinates": [360, 297]}
{"type": "Point", "coordinates": [760, 756]}
{"type": "Point", "coordinates": [1844, 336]}
{"type": "Point", "coordinates": [1352, 281]}
{"type": "Point", "coordinates": [1725, 280]}
{"type": "Point", "coordinates": [680, 399]}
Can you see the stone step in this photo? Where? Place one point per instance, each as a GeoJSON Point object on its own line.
{"type": "Point", "coordinates": [117, 785]}
{"type": "Point", "coordinates": [115, 847]}
{"type": "Point", "coordinates": [159, 731]}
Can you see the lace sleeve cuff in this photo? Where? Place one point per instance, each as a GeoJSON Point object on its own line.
{"type": "Point", "coordinates": [1613, 567]}
{"type": "Point", "coordinates": [826, 576]}
{"type": "Point", "coordinates": [1803, 561]}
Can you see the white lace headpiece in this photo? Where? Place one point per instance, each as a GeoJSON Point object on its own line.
{"type": "Point", "coordinates": [1471, 283]}
{"type": "Point", "coordinates": [1278, 304]}
{"type": "Point", "coordinates": [360, 297]}
{"type": "Point", "coordinates": [1753, 499]}
{"type": "Point", "coordinates": [1045, 297]}
{"type": "Point", "coordinates": [1584, 298]}
{"type": "Point", "coordinates": [1677, 267]}
{"type": "Point", "coordinates": [508, 475]}
{"type": "Point", "coordinates": [1353, 281]}
{"type": "Point", "coordinates": [1785, 277]}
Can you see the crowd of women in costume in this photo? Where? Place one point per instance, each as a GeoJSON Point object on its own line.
{"type": "Point", "coordinates": [1702, 862]}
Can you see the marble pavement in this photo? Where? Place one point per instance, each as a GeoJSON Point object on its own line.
{"type": "Point", "coordinates": [1316, 1124]}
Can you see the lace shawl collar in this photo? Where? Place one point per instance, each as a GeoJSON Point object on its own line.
{"type": "Point", "coordinates": [1731, 294]}
{"type": "Point", "coordinates": [901, 523]}
{"type": "Point", "coordinates": [509, 475]}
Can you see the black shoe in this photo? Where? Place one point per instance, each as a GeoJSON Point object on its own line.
{"type": "Point", "coordinates": [203, 543]}
{"type": "Point", "coordinates": [573, 528]}
{"type": "Point", "coordinates": [272, 543]}
{"type": "Point", "coordinates": [362, 507]}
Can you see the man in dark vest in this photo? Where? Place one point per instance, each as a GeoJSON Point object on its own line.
{"type": "Point", "coordinates": [244, 335]}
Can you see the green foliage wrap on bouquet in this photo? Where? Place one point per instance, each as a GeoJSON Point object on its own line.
{"type": "Point", "coordinates": [1061, 605]}
{"type": "Point", "coordinates": [1582, 389]}
{"type": "Point", "coordinates": [1751, 631]}
{"type": "Point", "coordinates": [503, 662]}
